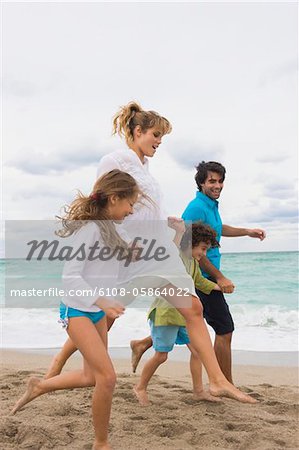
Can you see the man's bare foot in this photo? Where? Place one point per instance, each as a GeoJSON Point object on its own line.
{"type": "Point", "coordinates": [55, 367]}
{"type": "Point", "coordinates": [33, 391]}
{"type": "Point", "coordinates": [141, 396]}
{"type": "Point", "coordinates": [226, 389]}
{"type": "Point", "coordinates": [138, 348]}
{"type": "Point", "coordinates": [206, 397]}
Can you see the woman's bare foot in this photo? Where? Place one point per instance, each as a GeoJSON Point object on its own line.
{"type": "Point", "coordinates": [55, 367]}
{"type": "Point", "coordinates": [138, 348]}
{"type": "Point", "coordinates": [141, 395]}
{"type": "Point", "coordinates": [225, 389]}
{"type": "Point", "coordinates": [33, 391]}
{"type": "Point", "coordinates": [206, 397]}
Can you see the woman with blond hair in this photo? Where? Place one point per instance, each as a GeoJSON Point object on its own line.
{"type": "Point", "coordinates": [143, 132]}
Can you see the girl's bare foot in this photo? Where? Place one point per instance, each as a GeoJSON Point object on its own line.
{"type": "Point", "coordinates": [137, 351]}
{"type": "Point", "coordinates": [55, 367]}
{"type": "Point", "coordinates": [206, 397]}
{"type": "Point", "coordinates": [33, 391]}
{"type": "Point", "coordinates": [98, 446]}
{"type": "Point", "coordinates": [141, 395]}
{"type": "Point", "coordinates": [225, 389]}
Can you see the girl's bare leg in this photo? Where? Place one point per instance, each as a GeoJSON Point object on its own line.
{"type": "Point", "coordinates": [65, 353]}
{"type": "Point", "coordinates": [98, 370]}
{"type": "Point", "coordinates": [196, 372]}
{"type": "Point", "coordinates": [60, 359]}
{"type": "Point", "coordinates": [147, 372]}
{"type": "Point", "coordinates": [139, 347]}
{"type": "Point", "coordinates": [201, 342]}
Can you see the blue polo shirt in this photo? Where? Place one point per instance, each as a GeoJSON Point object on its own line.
{"type": "Point", "coordinates": [205, 209]}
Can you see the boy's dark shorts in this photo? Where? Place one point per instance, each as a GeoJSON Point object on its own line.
{"type": "Point", "coordinates": [216, 312]}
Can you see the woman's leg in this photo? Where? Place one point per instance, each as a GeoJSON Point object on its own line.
{"type": "Point", "coordinates": [147, 372]}
{"type": "Point", "coordinates": [98, 370]}
{"type": "Point", "coordinates": [196, 372]}
{"type": "Point", "coordinates": [201, 342]}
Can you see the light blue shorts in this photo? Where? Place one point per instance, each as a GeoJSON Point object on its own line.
{"type": "Point", "coordinates": [164, 337]}
{"type": "Point", "coordinates": [66, 312]}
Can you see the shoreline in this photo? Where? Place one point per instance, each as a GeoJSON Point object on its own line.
{"type": "Point", "coordinates": [245, 370]}
{"type": "Point", "coordinates": [181, 354]}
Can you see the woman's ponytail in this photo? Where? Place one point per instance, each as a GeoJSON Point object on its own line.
{"type": "Point", "coordinates": [122, 121]}
{"type": "Point", "coordinates": [132, 115]}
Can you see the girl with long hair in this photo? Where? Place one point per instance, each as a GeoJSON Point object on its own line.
{"type": "Point", "coordinates": [90, 222]}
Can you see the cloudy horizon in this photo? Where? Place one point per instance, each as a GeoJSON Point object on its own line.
{"type": "Point", "coordinates": [224, 74]}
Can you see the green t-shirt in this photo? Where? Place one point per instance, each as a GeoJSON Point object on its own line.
{"type": "Point", "coordinates": [163, 313]}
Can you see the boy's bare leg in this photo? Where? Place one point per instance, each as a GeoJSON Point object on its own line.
{"type": "Point", "coordinates": [139, 347]}
{"type": "Point", "coordinates": [196, 371]}
{"type": "Point", "coordinates": [60, 359]}
{"type": "Point", "coordinates": [147, 372]}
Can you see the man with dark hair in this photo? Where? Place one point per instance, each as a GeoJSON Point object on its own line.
{"type": "Point", "coordinates": [210, 179]}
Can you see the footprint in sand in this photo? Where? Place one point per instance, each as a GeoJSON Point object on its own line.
{"type": "Point", "coordinates": [124, 395]}
{"type": "Point", "coordinates": [138, 418]}
{"type": "Point", "coordinates": [8, 429]}
{"type": "Point", "coordinates": [239, 427]}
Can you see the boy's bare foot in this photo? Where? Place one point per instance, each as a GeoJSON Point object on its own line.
{"type": "Point", "coordinates": [55, 367]}
{"type": "Point", "coordinates": [141, 396]}
{"type": "Point", "coordinates": [33, 391]}
{"type": "Point", "coordinates": [225, 389]}
{"type": "Point", "coordinates": [138, 348]}
{"type": "Point", "coordinates": [206, 397]}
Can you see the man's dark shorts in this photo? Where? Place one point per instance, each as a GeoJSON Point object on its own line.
{"type": "Point", "coordinates": [216, 312]}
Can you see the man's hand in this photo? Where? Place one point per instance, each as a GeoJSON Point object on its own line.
{"type": "Point", "coordinates": [226, 285]}
{"type": "Point", "coordinates": [256, 233]}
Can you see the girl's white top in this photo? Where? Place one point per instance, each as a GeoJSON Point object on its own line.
{"type": "Point", "coordinates": [82, 280]}
{"type": "Point", "coordinates": [149, 221]}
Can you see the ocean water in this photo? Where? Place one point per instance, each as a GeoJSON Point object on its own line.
{"type": "Point", "coordinates": [264, 305]}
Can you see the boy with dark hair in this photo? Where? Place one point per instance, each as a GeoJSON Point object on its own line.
{"type": "Point", "coordinates": [167, 324]}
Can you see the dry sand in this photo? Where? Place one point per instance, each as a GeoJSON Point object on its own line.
{"type": "Point", "coordinates": [62, 420]}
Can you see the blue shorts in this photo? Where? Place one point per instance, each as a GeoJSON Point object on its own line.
{"type": "Point", "coordinates": [164, 337]}
{"type": "Point", "coordinates": [66, 312]}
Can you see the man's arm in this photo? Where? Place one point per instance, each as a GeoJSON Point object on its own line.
{"type": "Point", "coordinates": [229, 231]}
{"type": "Point", "coordinates": [224, 283]}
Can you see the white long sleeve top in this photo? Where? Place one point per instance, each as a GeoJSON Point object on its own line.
{"type": "Point", "coordinates": [83, 279]}
{"type": "Point", "coordinates": [148, 221]}
{"type": "Point", "coordinates": [127, 161]}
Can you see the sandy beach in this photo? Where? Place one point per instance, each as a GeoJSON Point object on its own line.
{"type": "Point", "coordinates": [173, 420]}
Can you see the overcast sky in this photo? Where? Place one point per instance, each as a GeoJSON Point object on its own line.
{"type": "Point", "coordinates": [224, 74]}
